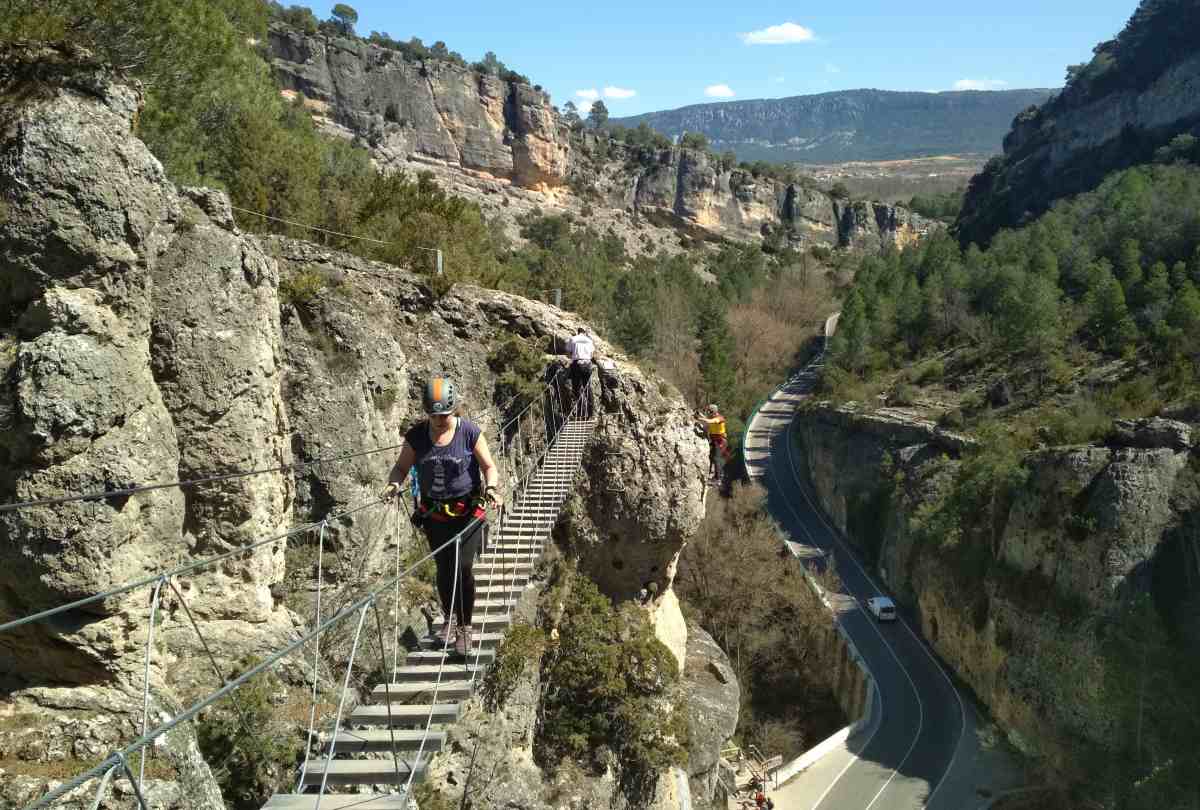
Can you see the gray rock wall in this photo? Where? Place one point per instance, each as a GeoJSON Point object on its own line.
{"type": "Point", "coordinates": [412, 113]}
{"type": "Point", "coordinates": [432, 109]}
{"type": "Point", "coordinates": [144, 340]}
{"type": "Point", "coordinates": [1088, 527]}
{"type": "Point", "coordinates": [1070, 143]}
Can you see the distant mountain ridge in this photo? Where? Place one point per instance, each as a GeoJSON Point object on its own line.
{"type": "Point", "coordinates": [852, 124]}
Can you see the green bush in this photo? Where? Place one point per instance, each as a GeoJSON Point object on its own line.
{"type": "Point", "coordinates": [252, 756]}
{"type": "Point", "coordinates": [523, 645]}
{"type": "Point", "coordinates": [952, 419]}
{"type": "Point", "coordinates": [902, 394]}
{"type": "Point", "coordinates": [302, 288]}
{"type": "Point", "coordinates": [930, 371]}
{"type": "Point", "coordinates": [520, 367]}
{"type": "Point", "coordinates": [607, 686]}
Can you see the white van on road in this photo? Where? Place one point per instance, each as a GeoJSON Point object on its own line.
{"type": "Point", "coordinates": [882, 608]}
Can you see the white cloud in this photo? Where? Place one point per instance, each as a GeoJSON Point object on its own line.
{"type": "Point", "coordinates": [719, 91]}
{"type": "Point", "coordinates": [980, 84]}
{"type": "Point", "coordinates": [832, 68]}
{"type": "Point", "coordinates": [787, 33]}
{"type": "Point", "coordinates": [588, 95]}
{"type": "Point", "coordinates": [777, 79]}
{"type": "Point", "coordinates": [619, 92]}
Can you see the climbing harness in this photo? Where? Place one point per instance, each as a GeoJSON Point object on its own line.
{"type": "Point", "coordinates": [444, 511]}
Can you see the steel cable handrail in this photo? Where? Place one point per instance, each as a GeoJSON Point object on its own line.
{"type": "Point", "coordinates": [119, 757]}
{"type": "Point", "coordinates": [101, 495]}
{"type": "Point", "coordinates": [234, 552]}
{"type": "Point", "coordinates": [184, 569]}
{"type": "Point", "coordinates": [192, 482]}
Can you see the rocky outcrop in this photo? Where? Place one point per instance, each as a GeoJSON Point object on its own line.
{"type": "Point", "coordinates": [431, 109]}
{"type": "Point", "coordinates": [1022, 622]}
{"type": "Point", "coordinates": [685, 189]}
{"type": "Point", "coordinates": [144, 340]}
{"type": "Point", "coordinates": [1070, 143]}
{"type": "Point", "coordinates": [875, 226]}
{"type": "Point", "coordinates": [712, 704]}
{"type": "Point", "coordinates": [495, 140]}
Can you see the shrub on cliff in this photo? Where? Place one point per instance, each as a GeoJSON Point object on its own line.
{"type": "Point", "coordinates": [252, 754]}
{"type": "Point", "coordinates": [608, 684]}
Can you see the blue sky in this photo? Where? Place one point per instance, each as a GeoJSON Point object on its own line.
{"type": "Point", "coordinates": [644, 56]}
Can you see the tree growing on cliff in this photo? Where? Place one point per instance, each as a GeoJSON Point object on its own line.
{"type": "Point", "coordinates": [716, 350]}
{"type": "Point", "coordinates": [694, 140]}
{"type": "Point", "coordinates": [598, 115]}
{"type": "Point", "coordinates": [571, 115]}
{"type": "Point", "coordinates": [345, 17]}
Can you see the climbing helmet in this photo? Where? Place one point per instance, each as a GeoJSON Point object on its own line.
{"type": "Point", "coordinates": [440, 396]}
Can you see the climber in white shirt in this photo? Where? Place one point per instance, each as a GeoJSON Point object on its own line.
{"type": "Point", "coordinates": [581, 348]}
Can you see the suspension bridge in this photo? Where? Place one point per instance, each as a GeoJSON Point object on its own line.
{"type": "Point", "coordinates": [423, 690]}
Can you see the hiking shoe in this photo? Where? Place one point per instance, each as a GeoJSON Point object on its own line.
{"type": "Point", "coordinates": [462, 642]}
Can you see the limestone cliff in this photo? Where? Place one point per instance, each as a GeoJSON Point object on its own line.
{"type": "Point", "coordinates": [503, 144]}
{"type": "Point", "coordinates": [1090, 524]}
{"type": "Point", "coordinates": [1139, 91]}
{"type": "Point", "coordinates": [144, 339]}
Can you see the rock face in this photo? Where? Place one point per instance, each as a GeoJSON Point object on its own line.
{"type": "Point", "coordinates": [505, 137]}
{"type": "Point", "coordinates": [432, 109]}
{"type": "Point", "coordinates": [145, 340]}
{"type": "Point", "coordinates": [712, 705]}
{"type": "Point", "coordinates": [1070, 143]}
{"type": "Point", "coordinates": [1090, 525]}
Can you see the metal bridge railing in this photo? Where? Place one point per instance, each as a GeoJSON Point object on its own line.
{"type": "Point", "coordinates": [524, 458]}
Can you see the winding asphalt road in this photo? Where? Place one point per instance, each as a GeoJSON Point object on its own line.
{"type": "Point", "coordinates": [925, 749]}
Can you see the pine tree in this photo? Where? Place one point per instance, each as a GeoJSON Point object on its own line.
{"type": "Point", "coordinates": [1109, 320]}
{"type": "Point", "coordinates": [851, 342]}
{"type": "Point", "coordinates": [598, 115]}
{"type": "Point", "coordinates": [346, 17]}
{"type": "Point", "coordinates": [716, 349]}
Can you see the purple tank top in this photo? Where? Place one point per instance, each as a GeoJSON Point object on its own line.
{"type": "Point", "coordinates": [446, 472]}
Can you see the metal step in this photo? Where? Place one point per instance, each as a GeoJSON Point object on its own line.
{"type": "Point", "coordinates": [510, 563]}
{"type": "Point", "coordinates": [495, 623]}
{"type": "Point", "coordinates": [479, 639]}
{"type": "Point", "coordinates": [488, 559]}
{"type": "Point", "coordinates": [486, 656]}
{"type": "Point", "coordinates": [424, 673]}
{"type": "Point", "coordinates": [508, 579]}
{"type": "Point", "coordinates": [383, 739]}
{"type": "Point", "coordinates": [491, 605]}
{"type": "Point", "coordinates": [513, 549]}
{"type": "Point", "coordinates": [337, 801]}
{"type": "Point", "coordinates": [362, 771]}
{"type": "Point", "coordinates": [448, 689]}
{"type": "Point", "coordinates": [512, 592]}
{"type": "Point", "coordinates": [406, 715]}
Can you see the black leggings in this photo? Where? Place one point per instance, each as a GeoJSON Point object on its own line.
{"type": "Point", "coordinates": [464, 596]}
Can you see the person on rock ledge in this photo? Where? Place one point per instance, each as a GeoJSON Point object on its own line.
{"type": "Point", "coordinates": [453, 461]}
{"type": "Point", "coordinates": [712, 423]}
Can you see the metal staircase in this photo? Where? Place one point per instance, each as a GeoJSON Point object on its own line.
{"type": "Point", "coordinates": [407, 716]}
